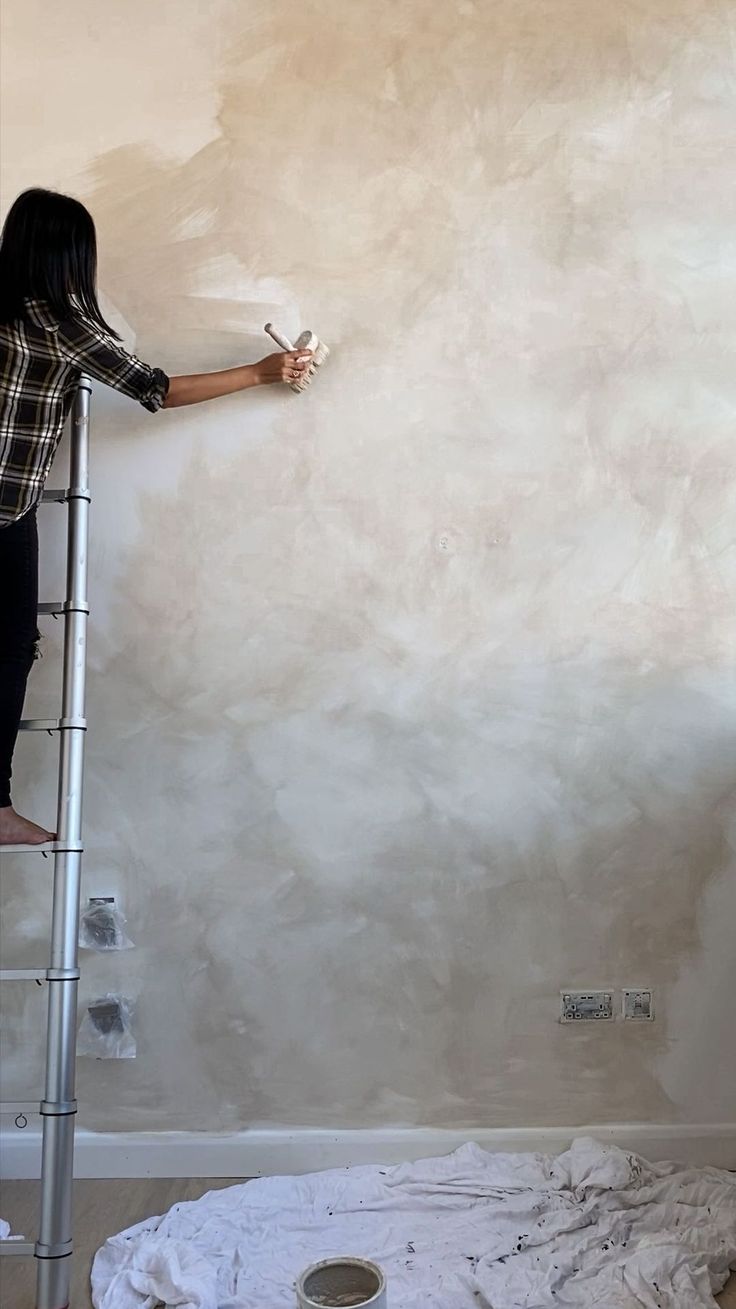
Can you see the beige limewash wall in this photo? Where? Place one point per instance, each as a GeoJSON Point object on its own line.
{"type": "Point", "coordinates": [412, 700]}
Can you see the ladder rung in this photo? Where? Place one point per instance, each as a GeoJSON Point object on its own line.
{"type": "Point", "coordinates": [46, 847]}
{"type": "Point", "coordinates": [39, 974]}
{"type": "Point", "coordinates": [66, 493]}
{"type": "Point", "coordinates": [61, 607]}
{"type": "Point", "coordinates": [52, 724]}
{"type": "Point", "coordinates": [23, 974]}
{"type": "Point", "coordinates": [8, 1247]}
{"type": "Point", "coordinates": [14, 1108]}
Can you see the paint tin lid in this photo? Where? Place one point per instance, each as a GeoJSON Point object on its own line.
{"type": "Point", "coordinates": [344, 1283]}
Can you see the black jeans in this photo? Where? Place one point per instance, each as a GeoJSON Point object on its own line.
{"type": "Point", "coordinates": [18, 632]}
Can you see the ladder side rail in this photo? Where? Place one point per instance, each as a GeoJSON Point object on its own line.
{"type": "Point", "coordinates": [58, 1109]}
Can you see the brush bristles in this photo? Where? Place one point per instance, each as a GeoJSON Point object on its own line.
{"type": "Point", "coordinates": [308, 341]}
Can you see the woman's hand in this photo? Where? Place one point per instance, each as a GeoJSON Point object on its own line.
{"type": "Point", "coordinates": [283, 367]}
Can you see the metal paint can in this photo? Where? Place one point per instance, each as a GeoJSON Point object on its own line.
{"type": "Point", "coordinates": [345, 1283]}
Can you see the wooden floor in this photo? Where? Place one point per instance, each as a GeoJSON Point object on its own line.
{"type": "Point", "coordinates": [102, 1209]}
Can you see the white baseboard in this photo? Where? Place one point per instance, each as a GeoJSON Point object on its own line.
{"type": "Point", "coordinates": [269, 1151]}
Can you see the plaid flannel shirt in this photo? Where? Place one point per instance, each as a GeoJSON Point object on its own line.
{"type": "Point", "coordinates": [41, 362]}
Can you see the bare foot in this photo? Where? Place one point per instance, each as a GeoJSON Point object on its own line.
{"type": "Point", "coordinates": [15, 830]}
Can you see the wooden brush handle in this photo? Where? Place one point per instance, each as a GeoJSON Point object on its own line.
{"type": "Point", "coordinates": [283, 341]}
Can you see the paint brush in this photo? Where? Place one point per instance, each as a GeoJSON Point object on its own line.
{"type": "Point", "coordinates": [307, 341]}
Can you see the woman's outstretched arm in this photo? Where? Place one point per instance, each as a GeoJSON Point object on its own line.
{"type": "Point", "coordinates": [193, 389]}
{"type": "Point", "coordinates": [84, 344]}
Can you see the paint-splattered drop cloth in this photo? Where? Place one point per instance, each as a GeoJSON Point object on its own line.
{"type": "Point", "coordinates": [596, 1226]}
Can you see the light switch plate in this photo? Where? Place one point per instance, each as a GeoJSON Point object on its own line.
{"type": "Point", "coordinates": [638, 1004]}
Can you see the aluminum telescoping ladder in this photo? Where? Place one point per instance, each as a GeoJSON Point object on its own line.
{"type": "Point", "coordinates": [53, 1249]}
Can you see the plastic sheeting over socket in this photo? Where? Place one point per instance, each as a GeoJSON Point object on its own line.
{"type": "Point", "coordinates": [106, 1030]}
{"type": "Point", "coordinates": [102, 927]}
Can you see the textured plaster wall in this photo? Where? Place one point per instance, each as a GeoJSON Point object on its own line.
{"type": "Point", "coordinates": [413, 699]}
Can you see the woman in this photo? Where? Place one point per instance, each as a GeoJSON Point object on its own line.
{"type": "Point", "coordinates": [51, 331]}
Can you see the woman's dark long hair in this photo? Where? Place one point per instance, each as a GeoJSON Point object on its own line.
{"type": "Point", "coordinates": [48, 251]}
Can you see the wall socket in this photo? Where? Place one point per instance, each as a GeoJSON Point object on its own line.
{"type": "Point", "coordinates": [637, 1004]}
{"type": "Point", "coordinates": [586, 1006]}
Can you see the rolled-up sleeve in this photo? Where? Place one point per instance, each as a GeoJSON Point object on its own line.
{"type": "Point", "coordinates": [92, 351]}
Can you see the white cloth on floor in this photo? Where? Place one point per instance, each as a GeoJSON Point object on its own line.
{"type": "Point", "coordinates": [596, 1226]}
{"type": "Point", "coordinates": [4, 1229]}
